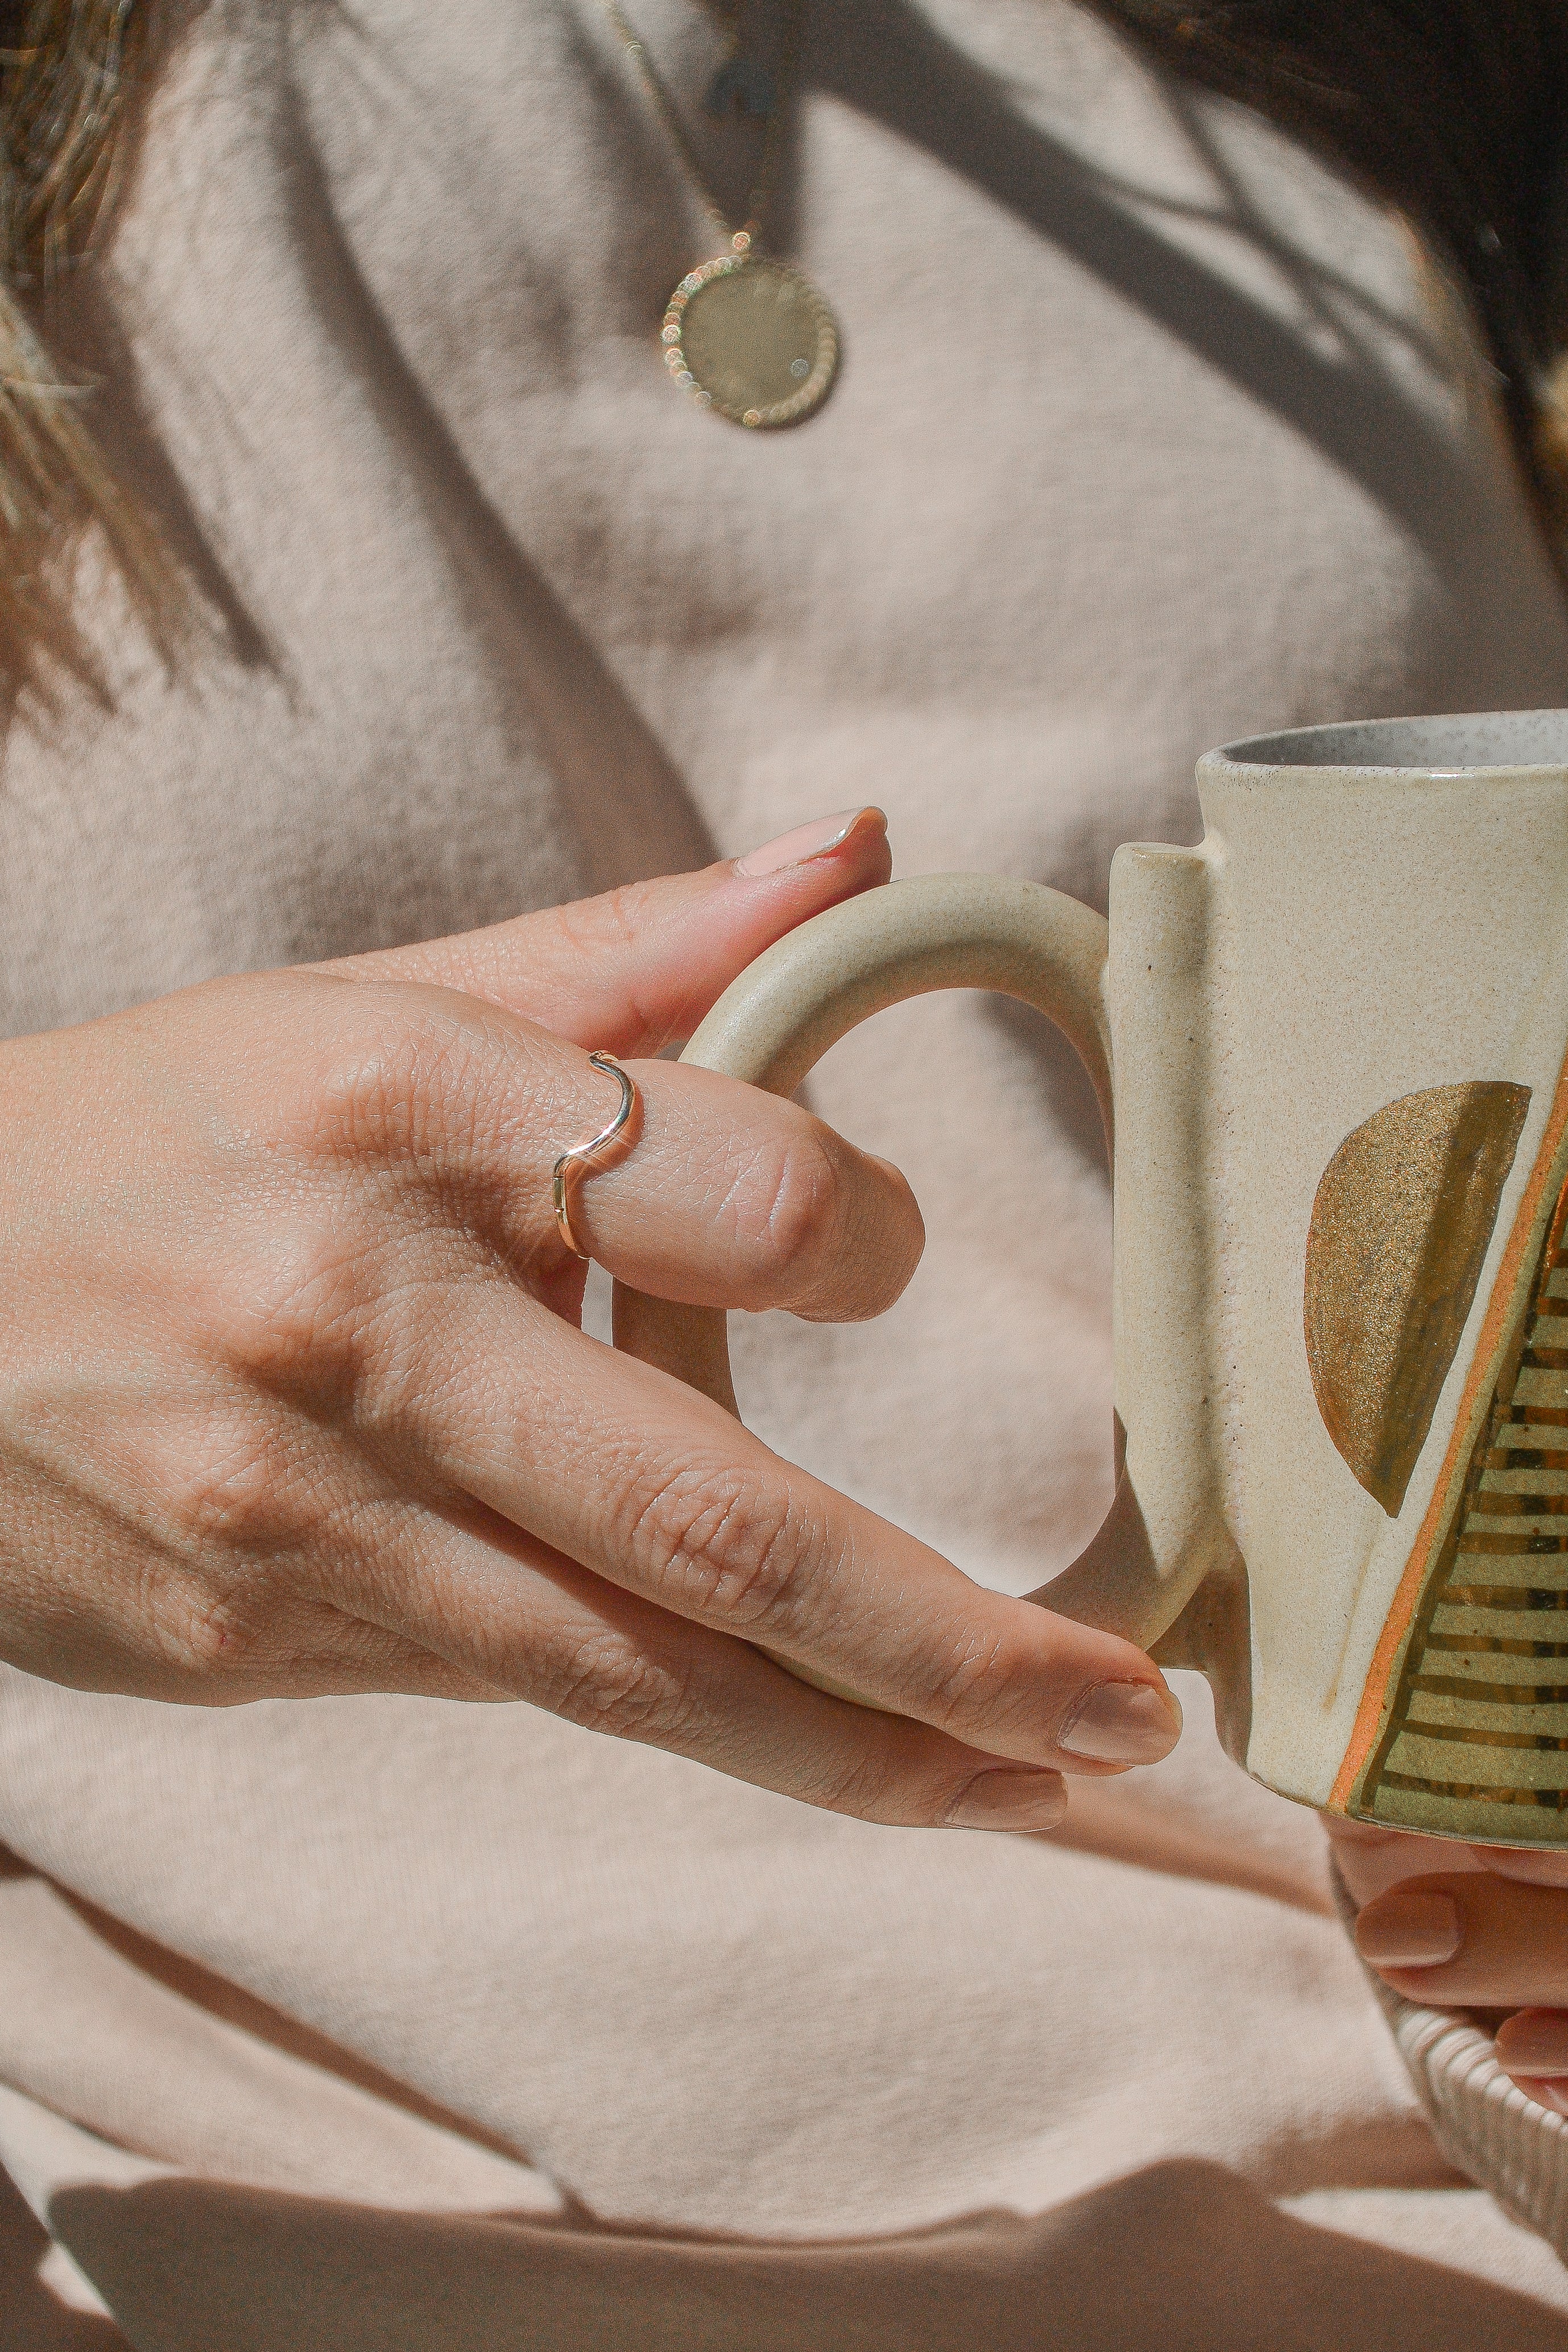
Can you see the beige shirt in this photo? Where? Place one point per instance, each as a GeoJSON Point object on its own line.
{"type": "Point", "coordinates": [1149, 433]}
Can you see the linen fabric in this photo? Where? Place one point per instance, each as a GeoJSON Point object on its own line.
{"type": "Point", "coordinates": [375, 2021]}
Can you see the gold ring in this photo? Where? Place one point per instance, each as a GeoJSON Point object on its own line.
{"type": "Point", "coordinates": [582, 1154]}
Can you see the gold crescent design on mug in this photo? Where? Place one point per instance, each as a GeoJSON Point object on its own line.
{"type": "Point", "coordinates": [1399, 1229]}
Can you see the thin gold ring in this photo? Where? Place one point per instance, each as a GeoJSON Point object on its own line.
{"type": "Point", "coordinates": [581, 1154]}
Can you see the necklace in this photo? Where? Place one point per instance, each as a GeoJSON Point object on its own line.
{"type": "Point", "coordinates": [744, 335]}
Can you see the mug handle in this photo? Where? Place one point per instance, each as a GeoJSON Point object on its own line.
{"type": "Point", "coordinates": [800, 996]}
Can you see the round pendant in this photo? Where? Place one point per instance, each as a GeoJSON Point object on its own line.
{"type": "Point", "coordinates": [751, 339]}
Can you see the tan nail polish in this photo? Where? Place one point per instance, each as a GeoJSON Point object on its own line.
{"type": "Point", "coordinates": [1535, 2042]}
{"type": "Point", "coordinates": [1004, 1799]}
{"type": "Point", "coordinates": [806, 841]}
{"type": "Point", "coordinates": [1409, 1928]}
{"type": "Point", "coordinates": [1122, 1723]}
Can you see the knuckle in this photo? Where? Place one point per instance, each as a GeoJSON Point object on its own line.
{"type": "Point", "coordinates": [236, 1523]}
{"type": "Point", "coordinates": [607, 934]}
{"type": "Point", "coordinates": [721, 1543]}
{"type": "Point", "coordinates": [891, 1783]}
{"type": "Point", "coordinates": [209, 1618]}
{"type": "Point", "coordinates": [868, 1789]}
{"type": "Point", "coordinates": [973, 1677]}
{"type": "Point", "coordinates": [248, 1631]}
{"type": "Point", "coordinates": [236, 1491]}
{"type": "Point", "coordinates": [606, 1683]}
{"type": "Point", "coordinates": [784, 1208]}
{"type": "Point", "coordinates": [357, 1094]}
{"type": "Point", "coordinates": [609, 923]}
{"type": "Point", "coordinates": [213, 1634]}
{"type": "Point", "coordinates": [404, 1079]}
{"type": "Point", "coordinates": [338, 1317]}
{"type": "Point", "coordinates": [275, 1316]}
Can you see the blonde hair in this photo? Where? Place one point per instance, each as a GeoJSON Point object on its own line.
{"type": "Point", "coordinates": [64, 77]}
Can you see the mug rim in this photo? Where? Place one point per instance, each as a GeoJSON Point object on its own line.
{"type": "Point", "coordinates": [1449, 743]}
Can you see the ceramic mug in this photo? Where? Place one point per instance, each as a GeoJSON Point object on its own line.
{"type": "Point", "coordinates": [1332, 1040]}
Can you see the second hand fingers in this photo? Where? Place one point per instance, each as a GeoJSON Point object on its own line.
{"type": "Point", "coordinates": [1470, 1939]}
{"type": "Point", "coordinates": [1532, 2046]}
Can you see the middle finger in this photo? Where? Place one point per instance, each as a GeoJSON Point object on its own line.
{"type": "Point", "coordinates": [723, 1195]}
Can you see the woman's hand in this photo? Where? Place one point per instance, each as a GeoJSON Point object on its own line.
{"type": "Point", "coordinates": [294, 1397]}
{"type": "Point", "coordinates": [1489, 1934]}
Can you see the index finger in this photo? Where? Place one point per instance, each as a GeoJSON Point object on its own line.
{"type": "Point", "coordinates": [638, 967]}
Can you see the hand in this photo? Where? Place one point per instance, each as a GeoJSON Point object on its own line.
{"type": "Point", "coordinates": [294, 1397]}
{"type": "Point", "coordinates": [1469, 1928]}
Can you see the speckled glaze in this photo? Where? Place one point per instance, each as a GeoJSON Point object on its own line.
{"type": "Point", "coordinates": [1351, 999]}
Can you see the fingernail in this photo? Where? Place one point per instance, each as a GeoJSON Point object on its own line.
{"type": "Point", "coordinates": [1551, 2095]}
{"type": "Point", "coordinates": [807, 841]}
{"type": "Point", "coordinates": [1535, 2042]}
{"type": "Point", "coordinates": [1409, 1928]}
{"type": "Point", "coordinates": [1122, 1723]}
{"type": "Point", "coordinates": [1003, 1799]}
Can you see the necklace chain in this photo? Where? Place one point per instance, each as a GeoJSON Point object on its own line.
{"type": "Point", "coordinates": [743, 239]}
{"type": "Point", "coordinates": [747, 337]}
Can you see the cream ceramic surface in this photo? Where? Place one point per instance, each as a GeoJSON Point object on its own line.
{"type": "Point", "coordinates": [1376, 912]}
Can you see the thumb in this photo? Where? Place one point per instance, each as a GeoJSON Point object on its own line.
{"type": "Point", "coordinates": [638, 968]}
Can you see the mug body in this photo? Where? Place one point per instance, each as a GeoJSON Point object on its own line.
{"type": "Point", "coordinates": [1340, 1029]}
